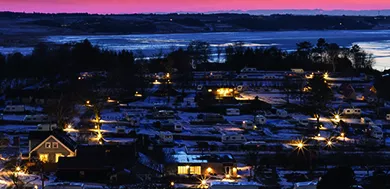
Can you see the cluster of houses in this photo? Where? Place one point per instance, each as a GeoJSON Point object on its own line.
{"type": "Point", "coordinates": [168, 145]}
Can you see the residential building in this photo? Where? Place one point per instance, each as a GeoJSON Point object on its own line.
{"type": "Point", "coordinates": [49, 146]}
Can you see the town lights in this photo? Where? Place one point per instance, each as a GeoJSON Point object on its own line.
{"type": "Point", "coordinates": [337, 117]}
{"type": "Point", "coordinates": [69, 126]}
{"type": "Point", "coordinates": [300, 145]}
{"type": "Point", "coordinates": [227, 176]}
{"type": "Point", "coordinates": [342, 134]}
{"type": "Point", "coordinates": [99, 136]}
{"type": "Point", "coordinates": [35, 186]}
{"type": "Point", "coordinates": [209, 169]}
{"type": "Point", "coordinates": [329, 143]}
{"type": "Point", "coordinates": [172, 184]}
{"type": "Point", "coordinates": [203, 182]}
{"type": "Point", "coordinates": [168, 75]}
{"type": "Point", "coordinates": [88, 101]}
{"type": "Point", "coordinates": [326, 75]}
{"type": "Point", "coordinates": [18, 169]}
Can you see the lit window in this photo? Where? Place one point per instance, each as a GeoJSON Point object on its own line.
{"type": "Point", "coordinates": [44, 157]}
{"type": "Point", "coordinates": [47, 145]}
{"type": "Point", "coordinates": [182, 170]}
{"type": "Point", "coordinates": [55, 144]}
{"type": "Point", "coordinates": [58, 156]}
{"type": "Point", "coordinates": [195, 170]}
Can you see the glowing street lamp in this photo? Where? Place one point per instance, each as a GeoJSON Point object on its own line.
{"type": "Point", "coordinates": [342, 135]}
{"type": "Point", "coordinates": [172, 184]}
{"type": "Point", "coordinates": [300, 145]}
{"type": "Point", "coordinates": [99, 136]}
{"type": "Point", "coordinates": [18, 169]}
{"type": "Point", "coordinates": [329, 143]}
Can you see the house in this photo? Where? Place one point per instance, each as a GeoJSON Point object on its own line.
{"type": "Point", "coordinates": [202, 164]}
{"type": "Point", "coordinates": [49, 146]}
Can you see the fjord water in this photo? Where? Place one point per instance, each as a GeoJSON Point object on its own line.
{"type": "Point", "coordinates": [374, 41]}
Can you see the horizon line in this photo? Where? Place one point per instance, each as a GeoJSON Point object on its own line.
{"type": "Point", "coordinates": [231, 11]}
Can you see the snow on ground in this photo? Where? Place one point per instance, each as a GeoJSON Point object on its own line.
{"type": "Point", "coordinates": [12, 117]}
{"type": "Point", "coordinates": [33, 108]}
{"type": "Point", "coordinates": [17, 128]}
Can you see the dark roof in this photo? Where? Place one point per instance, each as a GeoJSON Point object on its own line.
{"type": "Point", "coordinates": [60, 135]}
{"type": "Point", "coordinates": [100, 157]}
{"type": "Point", "coordinates": [81, 164]}
{"type": "Point", "coordinates": [109, 151]}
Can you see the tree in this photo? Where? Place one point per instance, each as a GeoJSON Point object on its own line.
{"type": "Point", "coordinates": [319, 92]}
{"type": "Point", "coordinates": [304, 49]}
{"type": "Point", "coordinates": [62, 110]}
{"type": "Point", "coordinates": [219, 53]}
{"type": "Point", "coordinates": [199, 51]}
{"type": "Point", "coordinates": [360, 58]}
{"type": "Point", "coordinates": [14, 173]}
{"type": "Point", "coordinates": [253, 160]}
{"type": "Point", "coordinates": [337, 178]}
{"type": "Point", "coordinates": [333, 54]}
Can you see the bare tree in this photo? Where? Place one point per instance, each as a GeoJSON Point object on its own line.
{"type": "Point", "coordinates": [62, 110]}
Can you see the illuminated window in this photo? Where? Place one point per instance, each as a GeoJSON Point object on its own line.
{"type": "Point", "coordinates": [58, 157]}
{"type": "Point", "coordinates": [47, 145]}
{"type": "Point", "coordinates": [182, 170]}
{"type": "Point", "coordinates": [195, 170]}
{"type": "Point", "coordinates": [55, 144]}
{"type": "Point", "coordinates": [44, 157]}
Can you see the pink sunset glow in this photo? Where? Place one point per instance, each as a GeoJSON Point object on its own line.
{"type": "Point", "coordinates": [138, 6]}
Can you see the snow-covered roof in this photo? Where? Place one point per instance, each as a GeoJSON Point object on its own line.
{"type": "Point", "coordinates": [180, 158]}
{"type": "Point", "coordinates": [214, 183]}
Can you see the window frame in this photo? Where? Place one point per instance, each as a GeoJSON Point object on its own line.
{"type": "Point", "coordinates": [54, 145]}
{"type": "Point", "coordinates": [47, 144]}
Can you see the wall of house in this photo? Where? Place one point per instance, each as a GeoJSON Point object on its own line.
{"type": "Point", "coordinates": [53, 151]}
{"type": "Point", "coordinates": [215, 168]}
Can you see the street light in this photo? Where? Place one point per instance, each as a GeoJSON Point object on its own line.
{"type": "Point", "coordinates": [300, 145]}
{"type": "Point", "coordinates": [329, 143]}
{"type": "Point", "coordinates": [18, 168]}
{"type": "Point", "coordinates": [172, 184]}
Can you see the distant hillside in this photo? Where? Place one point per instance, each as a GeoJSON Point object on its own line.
{"type": "Point", "coordinates": [36, 24]}
{"type": "Point", "coordinates": [340, 12]}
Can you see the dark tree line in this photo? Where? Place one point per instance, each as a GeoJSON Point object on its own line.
{"type": "Point", "coordinates": [322, 56]}
{"type": "Point", "coordinates": [68, 60]}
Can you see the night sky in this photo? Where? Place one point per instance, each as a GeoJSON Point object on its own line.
{"type": "Point", "coordinates": [138, 6]}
